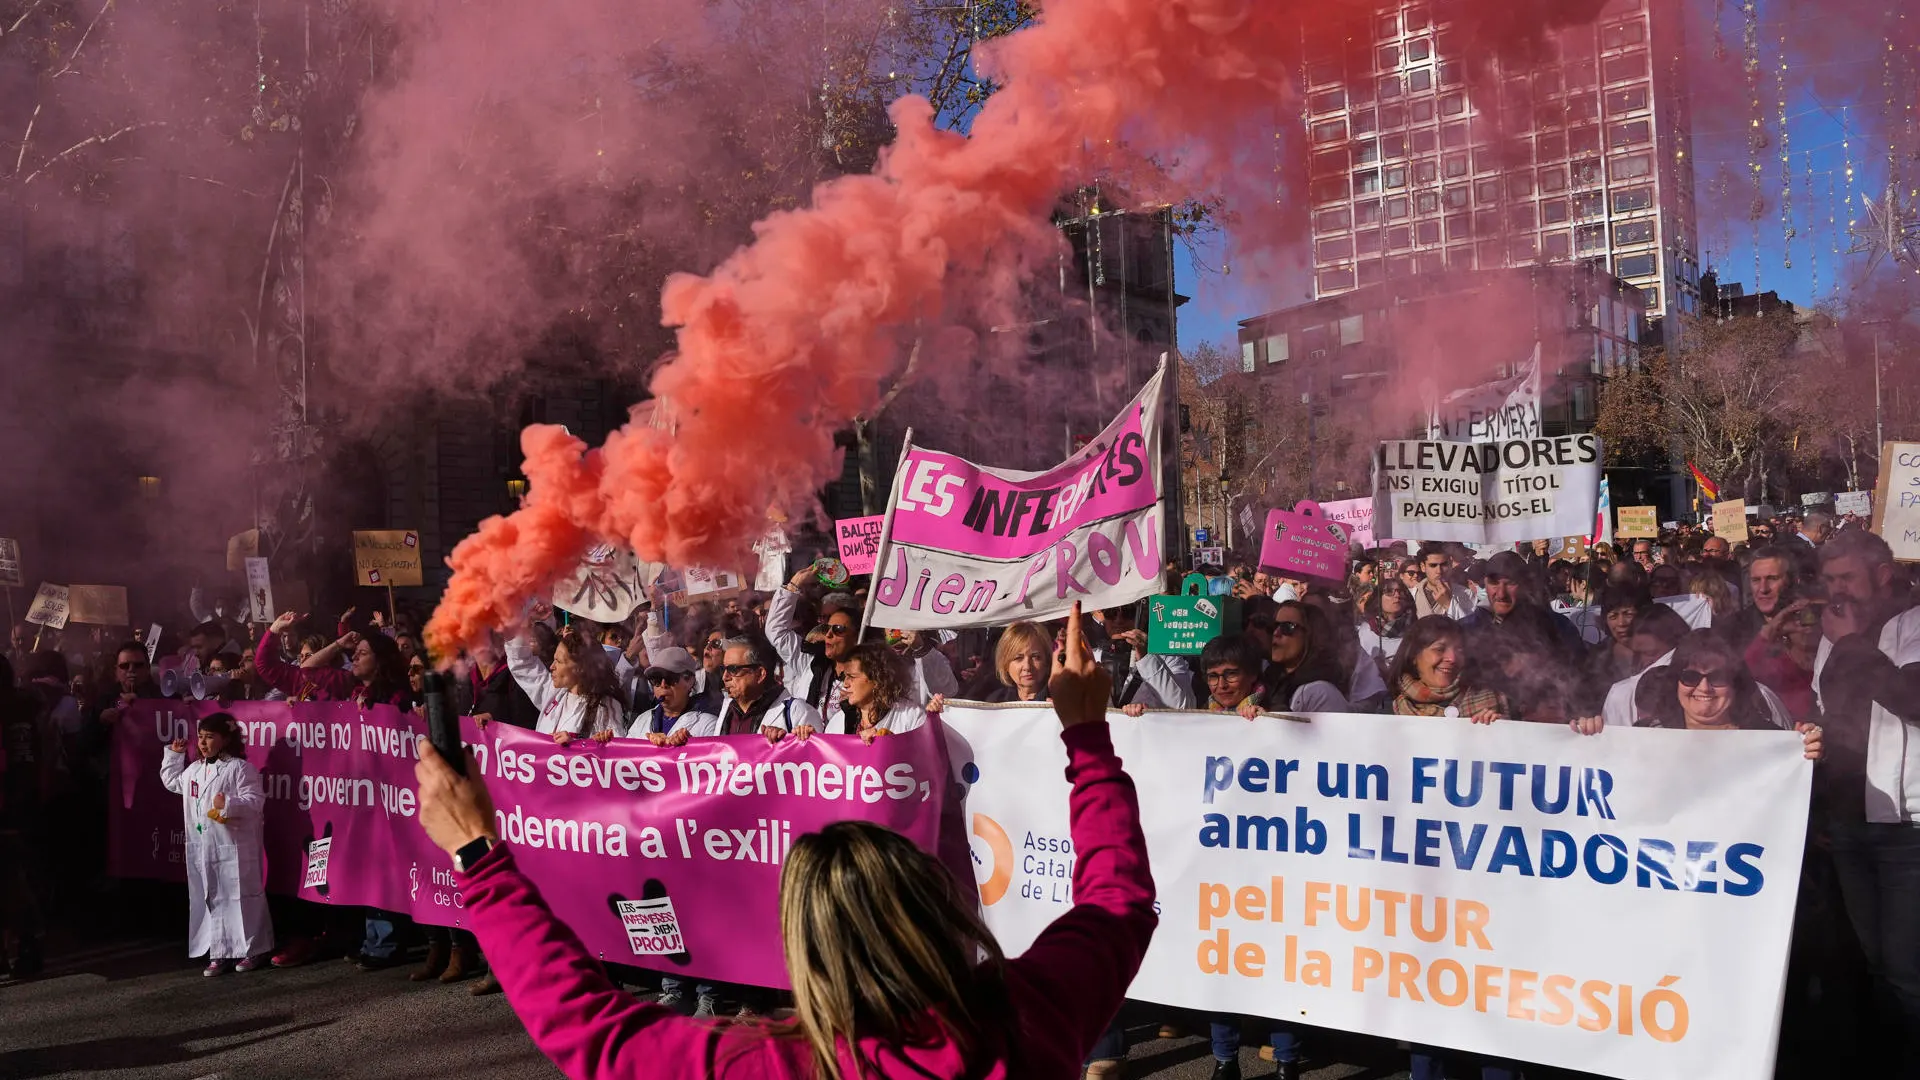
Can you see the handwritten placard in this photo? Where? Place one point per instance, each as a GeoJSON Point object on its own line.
{"type": "Point", "coordinates": [1730, 520]}
{"type": "Point", "coordinates": [1896, 502]}
{"type": "Point", "coordinates": [1304, 542]}
{"type": "Point", "coordinates": [50, 607]}
{"type": "Point", "coordinates": [859, 541]}
{"type": "Point", "coordinates": [1638, 523]}
{"type": "Point", "coordinates": [386, 557]}
{"type": "Point", "coordinates": [10, 562]}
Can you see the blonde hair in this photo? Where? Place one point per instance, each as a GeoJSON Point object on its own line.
{"type": "Point", "coordinates": [1013, 641]}
{"type": "Point", "coordinates": [878, 939]}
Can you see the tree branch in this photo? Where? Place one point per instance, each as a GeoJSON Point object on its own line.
{"type": "Point", "coordinates": [92, 140]}
{"type": "Point", "coordinates": [81, 44]}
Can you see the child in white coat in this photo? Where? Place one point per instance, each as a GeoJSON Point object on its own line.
{"type": "Point", "coordinates": [220, 795]}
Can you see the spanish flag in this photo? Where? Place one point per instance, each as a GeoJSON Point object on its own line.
{"type": "Point", "coordinates": [1707, 487]}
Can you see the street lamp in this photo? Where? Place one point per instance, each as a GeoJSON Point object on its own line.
{"type": "Point", "coordinates": [1226, 509]}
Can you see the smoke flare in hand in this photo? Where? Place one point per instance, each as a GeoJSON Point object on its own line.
{"type": "Point", "coordinates": [793, 336]}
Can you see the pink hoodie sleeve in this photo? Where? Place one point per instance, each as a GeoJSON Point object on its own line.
{"type": "Point", "coordinates": [586, 1025]}
{"type": "Point", "coordinates": [1072, 980]}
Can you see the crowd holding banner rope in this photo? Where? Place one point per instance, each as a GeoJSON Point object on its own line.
{"type": "Point", "coordinates": [1425, 747]}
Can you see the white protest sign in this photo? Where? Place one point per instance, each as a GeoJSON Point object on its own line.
{"type": "Point", "coordinates": [1357, 516]}
{"type": "Point", "coordinates": [606, 587]}
{"type": "Point", "coordinates": [1487, 493]}
{"type": "Point", "coordinates": [652, 927]}
{"type": "Point", "coordinates": [1618, 904]}
{"type": "Point", "coordinates": [317, 854]}
{"type": "Point", "coordinates": [153, 642]}
{"type": "Point", "coordinates": [1896, 504]}
{"type": "Point", "coordinates": [1492, 412]}
{"type": "Point", "coordinates": [49, 606]}
{"type": "Point", "coordinates": [10, 562]}
{"type": "Point", "coordinates": [1816, 498]}
{"type": "Point", "coordinates": [259, 590]}
{"type": "Point", "coordinates": [1859, 503]}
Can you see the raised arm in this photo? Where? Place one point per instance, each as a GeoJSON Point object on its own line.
{"type": "Point", "coordinates": [331, 683]}
{"type": "Point", "coordinates": [173, 765]}
{"type": "Point", "coordinates": [781, 633]}
{"type": "Point", "coordinates": [1169, 678]}
{"type": "Point", "coordinates": [532, 675]}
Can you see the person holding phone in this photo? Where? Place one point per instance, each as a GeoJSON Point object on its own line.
{"type": "Point", "coordinates": [222, 800]}
{"type": "Point", "coordinates": [925, 991]}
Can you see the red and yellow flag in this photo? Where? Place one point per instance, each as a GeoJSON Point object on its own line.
{"type": "Point", "coordinates": [1707, 487]}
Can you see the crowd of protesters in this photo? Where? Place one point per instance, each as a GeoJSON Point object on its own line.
{"type": "Point", "coordinates": [1808, 625]}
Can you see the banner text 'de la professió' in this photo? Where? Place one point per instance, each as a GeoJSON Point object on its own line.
{"type": "Point", "coordinates": [621, 838]}
{"type": "Point", "coordinates": [966, 545]}
{"type": "Point", "coordinates": [1619, 904]}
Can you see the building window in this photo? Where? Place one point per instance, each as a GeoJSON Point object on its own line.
{"type": "Point", "coordinates": [1366, 151]}
{"type": "Point", "coordinates": [1367, 241]}
{"type": "Point", "coordinates": [1389, 87]}
{"type": "Point", "coordinates": [1335, 220]}
{"type": "Point", "coordinates": [1631, 199]}
{"type": "Point", "coordinates": [1453, 105]}
{"type": "Point", "coordinates": [1522, 250]}
{"type": "Point", "coordinates": [1352, 330]}
{"type": "Point", "coordinates": [1582, 108]}
{"type": "Point", "coordinates": [1588, 204]}
{"type": "Point", "coordinates": [1588, 238]}
{"type": "Point", "coordinates": [1329, 189]}
{"type": "Point", "coordinates": [1460, 258]}
{"type": "Point", "coordinates": [1492, 253]}
{"type": "Point", "coordinates": [1329, 163]}
{"type": "Point", "coordinates": [1582, 74]}
{"type": "Point", "coordinates": [1584, 140]}
{"type": "Point", "coordinates": [1556, 246]}
{"type": "Point", "coordinates": [1486, 223]}
{"type": "Point", "coordinates": [1582, 403]}
{"type": "Point", "coordinates": [1427, 233]}
{"type": "Point", "coordinates": [1552, 147]}
{"type": "Point", "coordinates": [1313, 339]}
{"type": "Point", "coordinates": [1419, 49]}
{"type": "Point", "coordinates": [1632, 232]}
{"type": "Point", "coordinates": [1549, 114]}
{"type": "Point", "coordinates": [1629, 133]}
{"type": "Point", "coordinates": [1366, 213]}
{"type": "Point", "coordinates": [1520, 185]}
{"type": "Point", "coordinates": [1621, 35]}
{"type": "Point", "coordinates": [1546, 82]}
{"type": "Point", "coordinates": [1399, 238]}
{"type": "Point", "coordinates": [1453, 136]}
{"type": "Point", "coordinates": [1393, 116]}
{"type": "Point", "coordinates": [1454, 166]}
{"type": "Point", "coordinates": [1389, 58]}
{"type": "Point", "coordinates": [1365, 121]}
{"type": "Point", "coordinates": [1246, 356]}
{"type": "Point", "coordinates": [1327, 101]}
{"type": "Point", "coordinates": [1485, 159]}
{"type": "Point", "coordinates": [1393, 145]}
{"type": "Point", "coordinates": [1400, 267]}
{"type": "Point", "coordinates": [1396, 176]}
{"type": "Point", "coordinates": [1420, 79]}
{"type": "Point", "coordinates": [1422, 111]}
{"type": "Point", "coordinates": [1627, 99]}
{"type": "Point", "coordinates": [1487, 192]}
{"type": "Point", "coordinates": [1277, 349]}
{"type": "Point", "coordinates": [1553, 179]}
{"type": "Point", "coordinates": [1329, 131]}
{"type": "Point", "coordinates": [1397, 208]}
{"type": "Point", "coordinates": [1586, 172]}
{"type": "Point", "coordinates": [1631, 65]}
{"type": "Point", "coordinates": [1553, 211]}
{"type": "Point", "coordinates": [1636, 266]}
{"type": "Point", "coordinates": [1388, 26]}
{"type": "Point", "coordinates": [1426, 202]}
{"type": "Point", "coordinates": [1366, 182]}
{"type": "Point", "coordinates": [1334, 280]}
{"type": "Point", "coordinates": [1457, 198]}
{"type": "Point", "coordinates": [1460, 227]}
{"type": "Point", "coordinates": [1450, 73]}
{"type": "Point", "coordinates": [1426, 141]}
{"type": "Point", "coordinates": [1520, 216]}
{"type": "Point", "coordinates": [1334, 250]}
{"type": "Point", "coordinates": [1371, 272]}
{"type": "Point", "coordinates": [1326, 71]}
{"type": "Point", "coordinates": [1418, 18]}
{"type": "Point", "coordinates": [1428, 262]}
{"type": "Point", "coordinates": [1632, 167]}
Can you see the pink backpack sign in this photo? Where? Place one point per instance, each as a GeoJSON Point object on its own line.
{"type": "Point", "coordinates": [1303, 542]}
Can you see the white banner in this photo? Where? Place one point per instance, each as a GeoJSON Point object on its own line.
{"type": "Point", "coordinates": [1617, 904]}
{"type": "Point", "coordinates": [1492, 412]}
{"type": "Point", "coordinates": [967, 545]}
{"type": "Point", "coordinates": [1487, 493]}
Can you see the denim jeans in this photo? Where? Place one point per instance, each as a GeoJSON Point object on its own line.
{"type": "Point", "coordinates": [1878, 867]}
{"type": "Point", "coordinates": [1428, 1065]}
{"type": "Point", "coordinates": [1112, 1044]}
{"type": "Point", "coordinates": [380, 941]}
{"type": "Point", "coordinates": [1226, 1039]}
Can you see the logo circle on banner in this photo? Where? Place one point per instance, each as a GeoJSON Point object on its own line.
{"type": "Point", "coordinates": [998, 862]}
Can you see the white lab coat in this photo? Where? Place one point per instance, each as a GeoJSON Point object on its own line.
{"type": "Point", "coordinates": [1893, 751]}
{"type": "Point", "coordinates": [560, 710]}
{"type": "Point", "coordinates": [899, 720]}
{"type": "Point", "coordinates": [226, 878]}
{"type": "Point", "coordinates": [1620, 709]}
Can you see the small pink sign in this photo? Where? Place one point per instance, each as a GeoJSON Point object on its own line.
{"type": "Point", "coordinates": [859, 542]}
{"type": "Point", "coordinates": [1303, 542]}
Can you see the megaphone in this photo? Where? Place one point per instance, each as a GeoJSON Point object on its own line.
{"type": "Point", "coordinates": [203, 685]}
{"type": "Point", "coordinates": [169, 681]}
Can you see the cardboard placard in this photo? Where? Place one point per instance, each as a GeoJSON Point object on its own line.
{"type": "Point", "coordinates": [1185, 623]}
{"type": "Point", "coordinates": [1857, 503]}
{"type": "Point", "coordinates": [386, 557]}
{"type": "Point", "coordinates": [607, 586]}
{"type": "Point", "coordinates": [259, 591]}
{"type": "Point", "coordinates": [10, 562]}
{"type": "Point", "coordinates": [1303, 542]}
{"type": "Point", "coordinates": [701, 582]}
{"type": "Point", "coordinates": [1638, 523]}
{"type": "Point", "coordinates": [859, 541]}
{"type": "Point", "coordinates": [1896, 500]}
{"type": "Point", "coordinates": [1816, 498]}
{"type": "Point", "coordinates": [241, 547]}
{"type": "Point", "coordinates": [1730, 520]}
{"type": "Point", "coordinates": [1356, 515]}
{"type": "Point", "coordinates": [49, 606]}
{"type": "Point", "coordinates": [98, 605]}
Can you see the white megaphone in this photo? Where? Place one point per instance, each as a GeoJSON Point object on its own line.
{"type": "Point", "coordinates": [203, 685]}
{"type": "Point", "coordinates": [169, 681]}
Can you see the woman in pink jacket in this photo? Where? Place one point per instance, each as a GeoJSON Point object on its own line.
{"type": "Point", "coordinates": [924, 993]}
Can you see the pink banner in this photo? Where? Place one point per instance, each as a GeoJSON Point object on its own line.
{"type": "Point", "coordinates": [659, 857]}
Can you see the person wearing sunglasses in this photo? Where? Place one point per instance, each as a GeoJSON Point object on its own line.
{"type": "Point", "coordinates": [1706, 687]}
{"type": "Point", "coordinates": [1303, 673]}
{"type": "Point", "coordinates": [676, 715]}
{"type": "Point", "coordinates": [811, 663]}
{"type": "Point", "coordinates": [756, 702]}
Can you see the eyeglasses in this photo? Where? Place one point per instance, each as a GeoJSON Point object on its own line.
{"type": "Point", "coordinates": [663, 678]}
{"type": "Point", "coordinates": [711, 646]}
{"type": "Point", "coordinates": [1224, 675]}
{"type": "Point", "coordinates": [1719, 680]}
{"type": "Point", "coordinates": [1287, 628]}
{"type": "Point", "coordinates": [838, 629]}
{"type": "Point", "coordinates": [1261, 622]}
{"type": "Point", "coordinates": [733, 670]}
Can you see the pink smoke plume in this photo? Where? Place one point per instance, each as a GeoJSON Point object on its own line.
{"type": "Point", "coordinates": [794, 335]}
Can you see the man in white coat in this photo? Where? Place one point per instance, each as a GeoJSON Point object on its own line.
{"type": "Point", "coordinates": [223, 803]}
